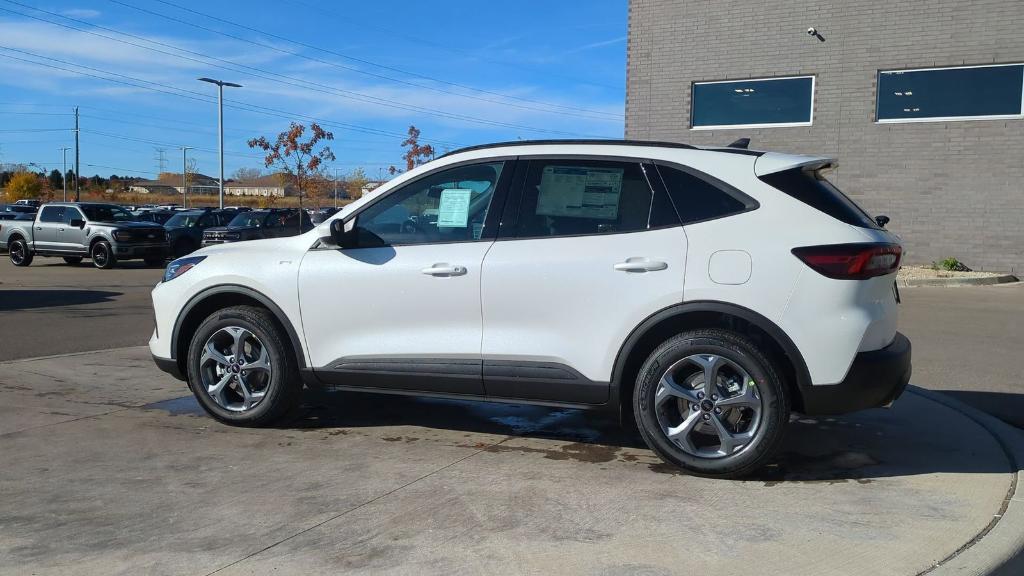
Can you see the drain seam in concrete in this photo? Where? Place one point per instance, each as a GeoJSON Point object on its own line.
{"type": "Point", "coordinates": [33, 428]}
{"type": "Point", "coordinates": [363, 505]}
{"type": "Point", "coordinates": [1006, 499]}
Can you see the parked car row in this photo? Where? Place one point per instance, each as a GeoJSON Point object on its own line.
{"type": "Point", "coordinates": [108, 233]}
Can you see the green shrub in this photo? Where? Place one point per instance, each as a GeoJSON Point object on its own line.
{"type": "Point", "coordinates": [950, 265]}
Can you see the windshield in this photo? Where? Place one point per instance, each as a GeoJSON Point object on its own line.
{"type": "Point", "coordinates": [248, 219]}
{"type": "Point", "coordinates": [183, 220]}
{"type": "Point", "coordinates": [106, 213]}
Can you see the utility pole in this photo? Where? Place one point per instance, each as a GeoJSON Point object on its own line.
{"type": "Point", "coordinates": [184, 176]}
{"type": "Point", "coordinates": [220, 129]}
{"type": "Point", "coordinates": [335, 188]}
{"type": "Point", "coordinates": [78, 195]}
{"type": "Point", "coordinates": [64, 173]}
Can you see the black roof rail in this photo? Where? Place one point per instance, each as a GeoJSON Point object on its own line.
{"type": "Point", "coordinates": [607, 142]}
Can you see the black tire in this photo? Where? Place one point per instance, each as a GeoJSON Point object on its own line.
{"type": "Point", "coordinates": [284, 389]}
{"type": "Point", "coordinates": [743, 353]}
{"type": "Point", "coordinates": [73, 260]}
{"type": "Point", "coordinates": [183, 248]}
{"type": "Point", "coordinates": [103, 255]}
{"type": "Point", "coordinates": [19, 253]}
{"type": "Point", "coordinates": [155, 261]}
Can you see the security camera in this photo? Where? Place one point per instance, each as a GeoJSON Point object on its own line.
{"type": "Point", "coordinates": [812, 31]}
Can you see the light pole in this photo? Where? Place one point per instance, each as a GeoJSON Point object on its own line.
{"type": "Point", "coordinates": [64, 174]}
{"type": "Point", "coordinates": [220, 126]}
{"type": "Point", "coordinates": [184, 178]}
{"type": "Point", "coordinates": [335, 188]}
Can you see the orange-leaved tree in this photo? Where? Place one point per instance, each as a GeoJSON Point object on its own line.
{"type": "Point", "coordinates": [415, 154]}
{"type": "Point", "coordinates": [298, 161]}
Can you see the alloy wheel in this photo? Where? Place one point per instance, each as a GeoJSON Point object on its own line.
{"type": "Point", "coordinates": [235, 369]}
{"type": "Point", "coordinates": [708, 406]}
{"type": "Point", "coordinates": [17, 252]}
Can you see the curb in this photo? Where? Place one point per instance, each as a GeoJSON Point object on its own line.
{"type": "Point", "coordinates": [982, 281]}
{"type": "Point", "coordinates": [998, 550]}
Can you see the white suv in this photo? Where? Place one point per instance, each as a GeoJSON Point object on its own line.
{"type": "Point", "coordinates": [703, 292]}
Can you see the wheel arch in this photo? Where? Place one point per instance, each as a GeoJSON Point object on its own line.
{"type": "Point", "coordinates": [667, 322]}
{"type": "Point", "coordinates": [214, 298]}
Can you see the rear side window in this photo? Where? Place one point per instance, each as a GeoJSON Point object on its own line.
{"type": "Point", "coordinates": [698, 199]}
{"type": "Point", "coordinates": [812, 188]}
{"type": "Point", "coordinates": [52, 214]}
{"type": "Point", "coordinates": [584, 197]}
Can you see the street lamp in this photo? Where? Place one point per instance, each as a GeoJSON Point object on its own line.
{"type": "Point", "coordinates": [64, 175]}
{"type": "Point", "coordinates": [220, 125]}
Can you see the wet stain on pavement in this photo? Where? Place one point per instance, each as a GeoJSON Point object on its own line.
{"type": "Point", "coordinates": [834, 468]}
{"type": "Point", "coordinates": [186, 405]}
{"type": "Point", "coordinates": [590, 453]}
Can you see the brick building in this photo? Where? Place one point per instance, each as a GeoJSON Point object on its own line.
{"type": "Point", "coordinates": [920, 101]}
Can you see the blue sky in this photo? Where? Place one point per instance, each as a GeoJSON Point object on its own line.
{"type": "Point", "coordinates": [464, 72]}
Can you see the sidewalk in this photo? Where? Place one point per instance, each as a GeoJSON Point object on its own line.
{"type": "Point", "coordinates": [110, 467]}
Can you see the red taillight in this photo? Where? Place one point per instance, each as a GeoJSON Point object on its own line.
{"type": "Point", "coordinates": [851, 261]}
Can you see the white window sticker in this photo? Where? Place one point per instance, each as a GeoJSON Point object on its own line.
{"type": "Point", "coordinates": [453, 212]}
{"type": "Point", "coordinates": [580, 192]}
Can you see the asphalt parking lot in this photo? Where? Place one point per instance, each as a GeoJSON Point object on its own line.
{"type": "Point", "coordinates": [110, 467]}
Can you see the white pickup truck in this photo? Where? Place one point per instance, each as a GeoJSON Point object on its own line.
{"type": "Point", "coordinates": [106, 233]}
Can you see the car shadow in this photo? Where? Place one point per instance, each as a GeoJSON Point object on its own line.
{"type": "Point", "coordinates": [1006, 406]}
{"type": "Point", "coordinates": [859, 448]}
{"type": "Point", "coordinates": [11, 300]}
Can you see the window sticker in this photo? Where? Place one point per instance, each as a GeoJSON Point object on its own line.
{"type": "Point", "coordinates": [580, 192]}
{"type": "Point", "coordinates": [453, 211]}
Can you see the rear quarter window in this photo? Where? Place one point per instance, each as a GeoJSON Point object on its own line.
{"type": "Point", "coordinates": [699, 198]}
{"type": "Point", "coordinates": [812, 188]}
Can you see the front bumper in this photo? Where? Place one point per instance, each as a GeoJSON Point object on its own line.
{"type": "Point", "coordinates": [876, 378]}
{"type": "Point", "coordinates": [127, 251]}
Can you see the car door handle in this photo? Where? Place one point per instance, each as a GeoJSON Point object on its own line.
{"type": "Point", "coordinates": [444, 270]}
{"type": "Point", "coordinates": [640, 265]}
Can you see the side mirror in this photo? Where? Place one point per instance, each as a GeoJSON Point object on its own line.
{"type": "Point", "coordinates": [882, 220]}
{"type": "Point", "coordinates": [343, 238]}
{"type": "Point", "coordinates": [77, 223]}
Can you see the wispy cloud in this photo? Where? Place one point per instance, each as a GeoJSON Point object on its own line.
{"type": "Point", "coordinates": [592, 45]}
{"type": "Point", "coordinates": [84, 13]}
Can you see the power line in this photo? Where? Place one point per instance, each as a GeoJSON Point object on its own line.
{"type": "Point", "coordinates": [453, 49]}
{"type": "Point", "coordinates": [282, 78]}
{"type": "Point", "coordinates": [204, 15]}
{"type": "Point", "coordinates": [200, 97]}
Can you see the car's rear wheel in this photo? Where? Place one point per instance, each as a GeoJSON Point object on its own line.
{"type": "Point", "coordinates": [19, 253]}
{"type": "Point", "coordinates": [240, 368]}
{"type": "Point", "coordinates": [710, 402]}
{"type": "Point", "coordinates": [73, 260]}
{"type": "Point", "coordinates": [102, 255]}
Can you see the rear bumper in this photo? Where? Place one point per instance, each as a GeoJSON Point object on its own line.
{"type": "Point", "coordinates": [876, 378]}
{"type": "Point", "coordinates": [169, 365]}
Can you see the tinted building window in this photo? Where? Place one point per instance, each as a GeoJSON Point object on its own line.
{"type": "Point", "coordinates": [771, 102]}
{"type": "Point", "coordinates": [950, 93]}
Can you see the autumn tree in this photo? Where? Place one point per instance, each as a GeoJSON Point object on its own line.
{"type": "Point", "coordinates": [56, 180]}
{"type": "Point", "coordinates": [297, 160]}
{"type": "Point", "coordinates": [244, 174]}
{"type": "Point", "coordinates": [24, 186]}
{"type": "Point", "coordinates": [415, 154]}
{"type": "Point", "coordinates": [191, 169]}
{"type": "Point", "coordinates": [354, 183]}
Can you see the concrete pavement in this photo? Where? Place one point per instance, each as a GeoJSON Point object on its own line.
{"type": "Point", "coordinates": [109, 467]}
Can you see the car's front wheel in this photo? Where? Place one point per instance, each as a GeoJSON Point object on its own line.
{"type": "Point", "coordinates": [103, 255]}
{"type": "Point", "coordinates": [710, 402]}
{"type": "Point", "coordinates": [240, 368]}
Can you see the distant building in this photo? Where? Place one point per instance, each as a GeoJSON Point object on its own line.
{"type": "Point", "coordinates": [170, 183]}
{"type": "Point", "coordinates": [371, 186]}
{"type": "Point", "coordinates": [269, 185]}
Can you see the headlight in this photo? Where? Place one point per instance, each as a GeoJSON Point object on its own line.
{"type": "Point", "coordinates": [180, 266]}
{"type": "Point", "coordinates": [232, 235]}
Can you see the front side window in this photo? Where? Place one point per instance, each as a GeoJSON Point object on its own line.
{"type": "Point", "coordinates": [582, 197]}
{"type": "Point", "coordinates": [447, 206]}
{"type": "Point", "coordinates": [72, 214]}
{"type": "Point", "coordinates": [749, 103]}
{"type": "Point", "coordinates": [52, 214]}
{"type": "Point", "coordinates": [939, 94]}
{"type": "Point", "coordinates": [248, 220]}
